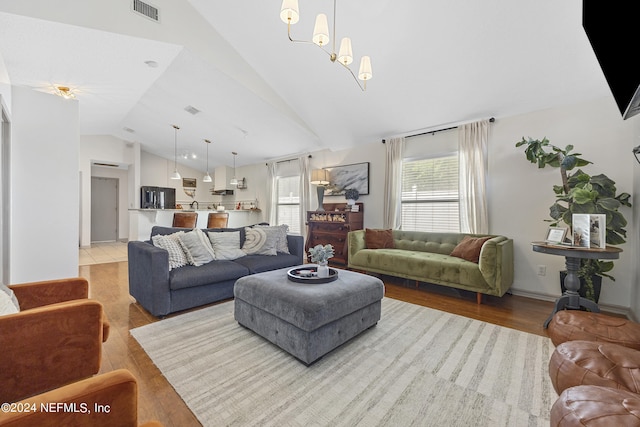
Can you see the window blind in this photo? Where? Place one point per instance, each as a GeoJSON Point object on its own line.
{"type": "Point", "coordinates": [288, 207]}
{"type": "Point", "coordinates": [430, 198]}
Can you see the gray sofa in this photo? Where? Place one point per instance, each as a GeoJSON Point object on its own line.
{"type": "Point", "coordinates": [162, 291]}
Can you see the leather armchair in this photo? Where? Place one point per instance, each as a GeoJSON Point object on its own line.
{"type": "Point", "coordinates": [107, 400]}
{"type": "Point", "coordinates": [55, 339]}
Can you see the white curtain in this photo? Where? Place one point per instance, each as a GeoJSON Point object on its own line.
{"type": "Point", "coordinates": [473, 139]}
{"type": "Point", "coordinates": [305, 193]}
{"type": "Point", "coordinates": [272, 192]}
{"type": "Point", "coordinates": [393, 184]}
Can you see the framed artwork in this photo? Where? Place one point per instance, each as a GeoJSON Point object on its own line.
{"type": "Point", "coordinates": [189, 182]}
{"type": "Point", "coordinates": [348, 176]}
{"type": "Point", "coordinates": [556, 234]}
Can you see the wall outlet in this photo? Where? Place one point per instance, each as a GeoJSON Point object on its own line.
{"type": "Point", "coordinates": [542, 270]}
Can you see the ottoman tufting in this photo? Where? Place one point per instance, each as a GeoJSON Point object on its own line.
{"type": "Point", "coordinates": [568, 325]}
{"type": "Point", "coordinates": [591, 363]}
{"type": "Point", "coordinates": [595, 406]}
{"type": "Point", "coordinates": [307, 320]}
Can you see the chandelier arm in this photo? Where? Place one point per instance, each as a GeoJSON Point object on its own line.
{"type": "Point", "coordinates": [353, 75]}
{"type": "Point", "coordinates": [295, 40]}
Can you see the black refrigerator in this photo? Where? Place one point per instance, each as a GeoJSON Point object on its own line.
{"type": "Point", "coordinates": [157, 197]}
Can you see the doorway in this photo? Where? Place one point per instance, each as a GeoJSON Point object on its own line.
{"type": "Point", "coordinates": [104, 209]}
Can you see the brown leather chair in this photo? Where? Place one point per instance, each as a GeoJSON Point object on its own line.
{"type": "Point", "coordinates": [87, 402]}
{"type": "Point", "coordinates": [55, 339]}
{"type": "Point", "coordinates": [185, 219]}
{"type": "Point", "coordinates": [218, 220]}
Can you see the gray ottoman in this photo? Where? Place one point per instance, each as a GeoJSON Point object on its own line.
{"type": "Point", "coordinates": [307, 320]}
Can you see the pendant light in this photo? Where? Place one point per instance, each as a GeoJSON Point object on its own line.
{"type": "Point", "coordinates": [175, 174]}
{"type": "Point", "coordinates": [207, 177]}
{"type": "Point", "coordinates": [234, 180]}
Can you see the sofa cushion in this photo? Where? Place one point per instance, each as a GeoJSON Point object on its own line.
{"type": "Point", "coordinates": [261, 263]}
{"type": "Point", "coordinates": [171, 244]}
{"type": "Point", "coordinates": [197, 247]}
{"type": "Point", "coordinates": [469, 248]}
{"type": "Point", "coordinates": [226, 245]}
{"type": "Point", "coordinates": [213, 272]}
{"type": "Point", "coordinates": [432, 267]}
{"type": "Point", "coordinates": [378, 239]}
{"type": "Point", "coordinates": [257, 242]}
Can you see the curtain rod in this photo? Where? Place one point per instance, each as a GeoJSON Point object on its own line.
{"type": "Point", "coordinates": [288, 160]}
{"type": "Point", "coordinates": [384, 141]}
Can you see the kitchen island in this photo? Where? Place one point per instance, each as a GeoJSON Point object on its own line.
{"type": "Point", "coordinates": [142, 220]}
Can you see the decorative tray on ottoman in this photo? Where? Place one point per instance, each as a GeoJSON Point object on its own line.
{"type": "Point", "coordinates": [309, 275]}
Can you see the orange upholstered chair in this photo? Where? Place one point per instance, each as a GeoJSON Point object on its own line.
{"type": "Point", "coordinates": [87, 402]}
{"type": "Point", "coordinates": [218, 220]}
{"type": "Point", "coordinates": [56, 338]}
{"type": "Point", "coordinates": [185, 219]}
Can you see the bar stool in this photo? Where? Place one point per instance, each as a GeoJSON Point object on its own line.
{"type": "Point", "coordinates": [218, 220]}
{"type": "Point", "coordinates": [185, 219]}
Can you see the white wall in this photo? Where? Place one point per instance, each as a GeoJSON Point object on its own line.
{"type": "Point", "coordinates": [521, 194]}
{"type": "Point", "coordinates": [45, 183]}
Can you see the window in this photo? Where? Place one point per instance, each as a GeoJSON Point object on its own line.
{"type": "Point", "coordinates": [430, 200]}
{"type": "Point", "coordinates": [288, 207]}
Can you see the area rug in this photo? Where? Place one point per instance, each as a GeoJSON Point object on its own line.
{"type": "Point", "coordinates": [417, 366]}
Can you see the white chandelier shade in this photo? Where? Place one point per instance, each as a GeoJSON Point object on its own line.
{"type": "Point", "coordinates": [290, 14]}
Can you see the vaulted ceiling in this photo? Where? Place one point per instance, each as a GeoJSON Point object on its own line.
{"type": "Point", "coordinates": [435, 63]}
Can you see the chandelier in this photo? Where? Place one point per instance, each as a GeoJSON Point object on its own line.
{"type": "Point", "coordinates": [290, 15]}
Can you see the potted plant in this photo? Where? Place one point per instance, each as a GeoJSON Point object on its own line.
{"type": "Point", "coordinates": [351, 194]}
{"type": "Point", "coordinates": [581, 193]}
{"type": "Point", "coordinates": [320, 255]}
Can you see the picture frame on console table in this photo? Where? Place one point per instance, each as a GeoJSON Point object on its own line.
{"type": "Point", "coordinates": [354, 176]}
{"type": "Point", "coordinates": [556, 235]}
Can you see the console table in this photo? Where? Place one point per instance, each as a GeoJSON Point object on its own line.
{"type": "Point", "coordinates": [570, 299]}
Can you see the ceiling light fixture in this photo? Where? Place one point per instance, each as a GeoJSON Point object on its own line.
{"type": "Point", "coordinates": [65, 92]}
{"type": "Point", "coordinates": [207, 177]}
{"type": "Point", "coordinates": [290, 15]}
{"type": "Point", "coordinates": [234, 180]}
{"type": "Point", "coordinates": [175, 174]}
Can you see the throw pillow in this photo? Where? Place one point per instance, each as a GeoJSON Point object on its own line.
{"type": "Point", "coordinates": [226, 245]}
{"type": "Point", "coordinates": [197, 247]}
{"type": "Point", "coordinates": [171, 243]}
{"type": "Point", "coordinates": [8, 301]}
{"type": "Point", "coordinates": [257, 243]}
{"type": "Point", "coordinates": [279, 232]}
{"type": "Point", "coordinates": [379, 239]}
{"type": "Point", "coordinates": [469, 248]}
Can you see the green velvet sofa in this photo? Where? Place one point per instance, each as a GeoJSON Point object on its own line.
{"type": "Point", "coordinates": [425, 257]}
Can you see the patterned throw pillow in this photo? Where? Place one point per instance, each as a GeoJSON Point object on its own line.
{"type": "Point", "coordinates": [197, 247]}
{"type": "Point", "coordinates": [278, 232]}
{"type": "Point", "coordinates": [171, 243]}
{"type": "Point", "coordinates": [226, 245]}
{"type": "Point", "coordinates": [257, 243]}
{"type": "Point", "coordinates": [8, 302]}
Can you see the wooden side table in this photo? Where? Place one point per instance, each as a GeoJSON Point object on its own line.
{"type": "Point", "coordinates": [571, 299]}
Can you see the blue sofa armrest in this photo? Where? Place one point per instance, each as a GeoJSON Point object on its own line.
{"type": "Point", "coordinates": [149, 277]}
{"type": "Point", "coordinates": [296, 246]}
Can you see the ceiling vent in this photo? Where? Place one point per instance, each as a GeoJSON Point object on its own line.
{"type": "Point", "coordinates": [146, 9]}
{"type": "Point", "coordinates": [191, 109]}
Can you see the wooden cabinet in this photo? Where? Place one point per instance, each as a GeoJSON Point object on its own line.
{"type": "Point", "coordinates": [331, 227]}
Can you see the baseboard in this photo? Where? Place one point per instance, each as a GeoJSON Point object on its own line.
{"type": "Point", "coordinates": [611, 308]}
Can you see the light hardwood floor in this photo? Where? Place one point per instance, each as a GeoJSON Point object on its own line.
{"type": "Point", "coordinates": [158, 400]}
